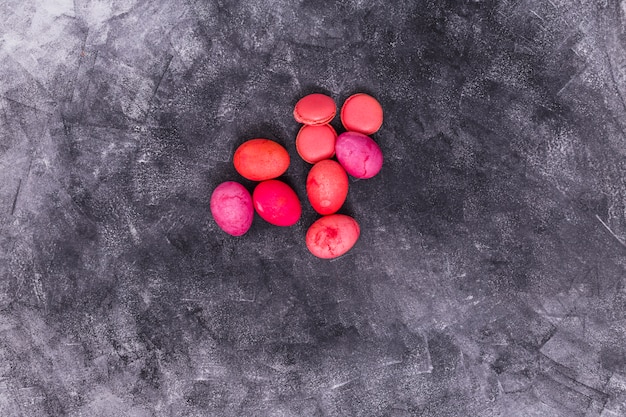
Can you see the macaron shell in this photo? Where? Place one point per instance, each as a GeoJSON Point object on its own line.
{"type": "Point", "coordinates": [315, 109]}
{"type": "Point", "coordinates": [316, 143]}
{"type": "Point", "coordinates": [362, 113]}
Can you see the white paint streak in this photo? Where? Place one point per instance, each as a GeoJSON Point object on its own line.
{"type": "Point", "coordinates": [134, 233]}
{"type": "Point", "coordinates": [341, 384]}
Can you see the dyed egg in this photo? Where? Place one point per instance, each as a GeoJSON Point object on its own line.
{"type": "Point", "coordinates": [362, 113]}
{"type": "Point", "coordinates": [327, 186]}
{"type": "Point", "coordinates": [315, 143]}
{"type": "Point", "coordinates": [315, 109]}
{"type": "Point", "coordinates": [261, 159]}
{"type": "Point", "coordinates": [276, 203]}
{"type": "Point", "coordinates": [358, 154]}
{"type": "Point", "coordinates": [332, 236]}
{"type": "Point", "coordinates": [231, 207]}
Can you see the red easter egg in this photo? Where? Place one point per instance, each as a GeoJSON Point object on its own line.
{"type": "Point", "coordinates": [327, 186]}
{"type": "Point", "coordinates": [315, 109]}
{"type": "Point", "coordinates": [231, 207]}
{"type": "Point", "coordinates": [362, 113]}
{"type": "Point", "coordinates": [358, 154]}
{"type": "Point", "coordinates": [315, 143]}
{"type": "Point", "coordinates": [261, 159]}
{"type": "Point", "coordinates": [332, 236]}
{"type": "Point", "coordinates": [276, 203]}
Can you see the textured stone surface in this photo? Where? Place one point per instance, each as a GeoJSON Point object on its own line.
{"type": "Point", "coordinates": [489, 276]}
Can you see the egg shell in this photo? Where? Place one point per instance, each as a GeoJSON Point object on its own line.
{"type": "Point", "coordinates": [231, 207]}
{"type": "Point", "coordinates": [360, 156]}
{"type": "Point", "coordinates": [276, 203]}
{"type": "Point", "coordinates": [332, 236]}
{"type": "Point", "coordinates": [362, 113]}
{"type": "Point", "coordinates": [315, 109]}
{"type": "Point", "coordinates": [315, 143]}
{"type": "Point", "coordinates": [327, 186]}
{"type": "Point", "coordinates": [261, 159]}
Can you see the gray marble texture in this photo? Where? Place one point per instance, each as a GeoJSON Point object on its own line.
{"type": "Point", "coordinates": [489, 276]}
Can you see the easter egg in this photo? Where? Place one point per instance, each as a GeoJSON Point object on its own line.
{"type": "Point", "coordinates": [327, 186]}
{"type": "Point", "coordinates": [276, 203]}
{"type": "Point", "coordinates": [360, 156]}
{"type": "Point", "coordinates": [332, 236]}
{"type": "Point", "coordinates": [315, 109]}
{"type": "Point", "coordinates": [362, 113]}
{"type": "Point", "coordinates": [261, 159]}
{"type": "Point", "coordinates": [315, 143]}
{"type": "Point", "coordinates": [231, 207]}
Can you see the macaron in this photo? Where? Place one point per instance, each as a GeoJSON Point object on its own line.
{"type": "Point", "coordinates": [362, 113]}
{"type": "Point", "coordinates": [315, 109]}
{"type": "Point", "coordinates": [316, 143]}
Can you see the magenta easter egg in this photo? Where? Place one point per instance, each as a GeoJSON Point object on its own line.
{"type": "Point", "coordinates": [360, 156]}
{"type": "Point", "coordinates": [276, 203]}
{"type": "Point", "coordinates": [231, 207]}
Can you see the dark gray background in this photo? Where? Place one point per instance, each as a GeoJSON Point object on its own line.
{"type": "Point", "coordinates": [489, 276]}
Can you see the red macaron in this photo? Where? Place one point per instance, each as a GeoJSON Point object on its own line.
{"type": "Point", "coordinates": [362, 113]}
{"type": "Point", "coordinates": [315, 109]}
{"type": "Point", "coordinates": [316, 143]}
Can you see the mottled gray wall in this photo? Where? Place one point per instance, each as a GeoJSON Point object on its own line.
{"type": "Point", "coordinates": [489, 277]}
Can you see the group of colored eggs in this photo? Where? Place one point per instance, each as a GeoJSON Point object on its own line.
{"type": "Point", "coordinates": [264, 160]}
